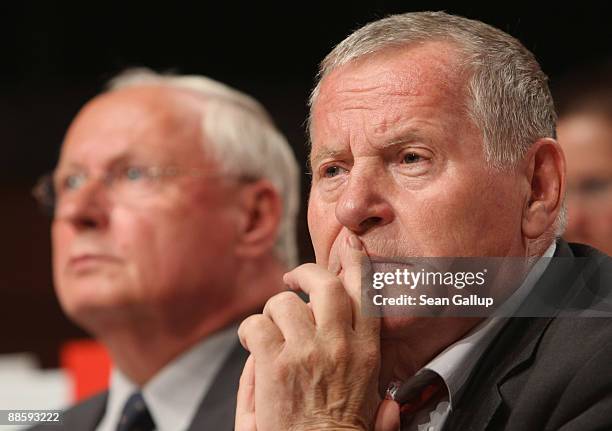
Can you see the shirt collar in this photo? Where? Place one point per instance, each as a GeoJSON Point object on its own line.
{"type": "Point", "coordinates": [174, 394]}
{"type": "Point", "coordinates": [456, 363]}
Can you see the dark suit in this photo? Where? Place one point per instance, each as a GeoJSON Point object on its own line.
{"type": "Point", "coordinates": [216, 412]}
{"type": "Point", "coordinates": [548, 373]}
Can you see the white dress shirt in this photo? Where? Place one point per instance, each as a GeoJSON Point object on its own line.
{"type": "Point", "coordinates": [457, 361]}
{"type": "Point", "coordinates": [175, 392]}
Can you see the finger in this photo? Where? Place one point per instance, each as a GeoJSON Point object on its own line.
{"type": "Point", "coordinates": [245, 401]}
{"type": "Point", "coordinates": [330, 304]}
{"type": "Point", "coordinates": [292, 316]}
{"type": "Point", "coordinates": [260, 336]}
{"type": "Point", "coordinates": [388, 416]}
{"type": "Point", "coordinates": [333, 263]}
{"type": "Point", "coordinates": [355, 262]}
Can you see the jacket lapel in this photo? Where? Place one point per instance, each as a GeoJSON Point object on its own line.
{"type": "Point", "coordinates": [84, 416]}
{"type": "Point", "coordinates": [94, 414]}
{"type": "Point", "coordinates": [512, 351]}
{"type": "Point", "coordinates": [218, 408]}
{"type": "Point", "coordinates": [497, 376]}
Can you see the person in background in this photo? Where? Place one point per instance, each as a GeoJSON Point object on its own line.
{"type": "Point", "coordinates": [584, 105]}
{"type": "Point", "coordinates": [174, 211]}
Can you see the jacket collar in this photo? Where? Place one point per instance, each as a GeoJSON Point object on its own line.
{"type": "Point", "coordinates": [513, 350]}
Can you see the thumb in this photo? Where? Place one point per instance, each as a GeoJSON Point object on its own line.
{"type": "Point", "coordinates": [245, 403]}
{"type": "Point", "coordinates": [388, 416]}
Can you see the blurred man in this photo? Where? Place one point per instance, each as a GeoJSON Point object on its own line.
{"type": "Point", "coordinates": [584, 104]}
{"type": "Point", "coordinates": [432, 135]}
{"type": "Point", "coordinates": [175, 204]}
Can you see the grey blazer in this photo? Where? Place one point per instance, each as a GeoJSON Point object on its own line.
{"type": "Point", "coordinates": [216, 412]}
{"type": "Point", "coordinates": [548, 373]}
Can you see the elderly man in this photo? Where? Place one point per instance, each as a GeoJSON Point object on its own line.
{"type": "Point", "coordinates": [432, 135]}
{"type": "Point", "coordinates": [175, 200]}
{"type": "Point", "coordinates": [584, 104]}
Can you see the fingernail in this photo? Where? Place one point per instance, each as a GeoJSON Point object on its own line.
{"type": "Point", "coordinates": [355, 243]}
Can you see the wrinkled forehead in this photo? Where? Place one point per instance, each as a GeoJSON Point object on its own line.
{"type": "Point", "coordinates": [432, 73]}
{"type": "Point", "coordinates": [153, 120]}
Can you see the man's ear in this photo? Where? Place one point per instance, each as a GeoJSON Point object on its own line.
{"type": "Point", "coordinates": [545, 164]}
{"type": "Point", "coordinates": [262, 209]}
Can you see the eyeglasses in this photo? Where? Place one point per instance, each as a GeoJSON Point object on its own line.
{"type": "Point", "coordinates": [591, 191]}
{"type": "Point", "coordinates": [124, 184]}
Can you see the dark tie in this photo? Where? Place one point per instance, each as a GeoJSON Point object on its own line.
{"type": "Point", "coordinates": [422, 391]}
{"type": "Point", "coordinates": [135, 415]}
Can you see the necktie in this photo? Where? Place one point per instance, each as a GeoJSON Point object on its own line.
{"type": "Point", "coordinates": [135, 415]}
{"type": "Point", "coordinates": [419, 394]}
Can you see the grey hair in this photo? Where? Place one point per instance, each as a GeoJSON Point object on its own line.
{"type": "Point", "coordinates": [243, 140]}
{"type": "Point", "coordinates": [507, 93]}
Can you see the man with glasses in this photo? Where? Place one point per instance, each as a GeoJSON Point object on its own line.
{"type": "Point", "coordinates": [584, 104]}
{"type": "Point", "coordinates": [174, 204]}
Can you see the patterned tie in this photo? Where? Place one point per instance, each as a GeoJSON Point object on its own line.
{"type": "Point", "coordinates": [136, 416]}
{"type": "Point", "coordinates": [419, 394]}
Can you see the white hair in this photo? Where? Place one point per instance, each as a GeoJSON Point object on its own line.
{"type": "Point", "coordinates": [507, 93]}
{"type": "Point", "coordinates": [243, 139]}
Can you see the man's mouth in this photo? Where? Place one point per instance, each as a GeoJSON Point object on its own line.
{"type": "Point", "coordinates": [85, 261]}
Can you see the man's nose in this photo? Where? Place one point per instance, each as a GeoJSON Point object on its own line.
{"type": "Point", "coordinates": [362, 204]}
{"type": "Point", "coordinates": [85, 208]}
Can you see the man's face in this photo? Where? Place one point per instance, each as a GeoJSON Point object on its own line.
{"type": "Point", "coordinates": [396, 160]}
{"type": "Point", "coordinates": [164, 246]}
{"type": "Point", "coordinates": [587, 142]}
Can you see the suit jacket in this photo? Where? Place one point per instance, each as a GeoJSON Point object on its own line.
{"type": "Point", "coordinates": [216, 412]}
{"type": "Point", "coordinates": [548, 373]}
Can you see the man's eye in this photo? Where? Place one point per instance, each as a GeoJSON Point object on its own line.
{"type": "Point", "coordinates": [134, 173]}
{"type": "Point", "coordinates": [332, 171]}
{"type": "Point", "coordinates": [412, 158]}
{"type": "Point", "coordinates": [72, 181]}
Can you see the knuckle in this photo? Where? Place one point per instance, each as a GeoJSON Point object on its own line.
{"type": "Point", "coordinates": [307, 266]}
{"type": "Point", "coordinates": [251, 324]}
{"type": "Point", "coordinates": [303, 268]}
{"type": "Point", "coordinates": [281, 300]}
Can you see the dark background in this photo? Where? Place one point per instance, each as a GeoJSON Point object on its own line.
{"type": "Point", "coordinates": [54, 58]}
